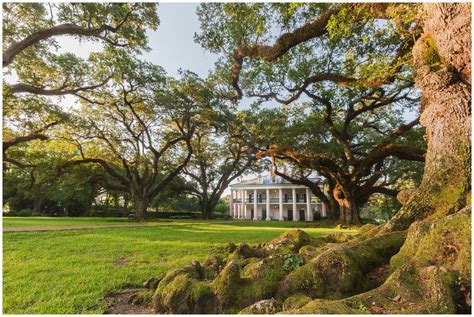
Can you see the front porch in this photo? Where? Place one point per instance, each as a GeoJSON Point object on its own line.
{"type": "Point", "coordinates": [293, 204]}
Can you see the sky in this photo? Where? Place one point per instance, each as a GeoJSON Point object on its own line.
{"type": "Point", "coordinates": [172, 44]}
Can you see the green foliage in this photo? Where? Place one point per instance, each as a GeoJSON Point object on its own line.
{"type": "Point", "coordinates": [292, 262]}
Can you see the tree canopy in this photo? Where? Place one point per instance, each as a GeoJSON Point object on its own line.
{"type": "Point", "coordinates": [331, 88]}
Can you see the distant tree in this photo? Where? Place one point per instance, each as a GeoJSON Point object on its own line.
{"type": "Point", "coordinates": [139, 128]}
{"type": "Point", "coordinates": [34, 183]}
{"type": "Point", "coordinates": [34, 71]}
{"type": "Point", "coordinates": [218, 159]}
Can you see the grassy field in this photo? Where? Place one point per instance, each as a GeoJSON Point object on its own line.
{"type": "Point", "coordinates": [11, 222]}
{"type": "Point", "coordinates": [70, 272]}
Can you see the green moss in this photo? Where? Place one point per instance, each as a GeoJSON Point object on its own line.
{"type": "Point", "coordinates": [251, 291]}
{"type": "Point", "coordinates": [243, 252]}
{"type": "Point", "coordinates": [444, 242]}
{"type": "Point", "coordinates": [212, 266]}
{"type": "Point", "coordinates": [309, 251]}
{"type": "Point", "coordinates": [324, 307]}
{"type": "Point", "coordinates": [449, 198]}
{"type": "Point", "coordinates": [226, 284]}
{"type": "Point", "coordinates": [200, 289]}
{"type": "Point", "coordinates": [291, 241]}
{"type": "Point", "coordinates": [271, 269]}
{"type": "Point", "coordinates": [142, 297]}
{"type": "Point", "coordinates": [296, 301]}
{"type": "Point", "coordinates": [431, 55]}
{"type": "Point", "coordinates": [337, 237]}
{"type": "Point", "coordinates": [367, 227]}
{"type": "Point", "coordinates": [182, 292]}
{"type": "Point", "coordinates": [340, 272]}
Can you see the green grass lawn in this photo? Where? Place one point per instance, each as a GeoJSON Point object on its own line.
{"type": "Point", "coordinates": [70, 272]}
{"type": "Point", "coordinates": [11, 222]}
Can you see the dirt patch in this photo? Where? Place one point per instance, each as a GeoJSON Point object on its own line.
{"type": "Point", "coordinates": [378, 276]}
{"type": "Point", "coordinates": [122, 303]}
{"type": "Point", "coordinates": [121, 261]}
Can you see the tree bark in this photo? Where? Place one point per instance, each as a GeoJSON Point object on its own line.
{"type": "Point", "coordinates": [38, 202]}
{"type": "Point", "coordinates": [442, 60]}
{"type": "Point", "coordinates": [140, 206]}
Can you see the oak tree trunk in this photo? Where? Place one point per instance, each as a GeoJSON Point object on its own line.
{"type": "Point", "coordinates": [442, 59]}
{"type": "Point", "coordinates": [140, 207]}
{"type": "Point", "coordinates": [37, 204]}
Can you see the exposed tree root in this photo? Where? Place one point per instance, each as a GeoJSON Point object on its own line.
{"type": "Point", "coordinates": [432, 274]}
{"type": "Point", "coordinates": [340, 271]}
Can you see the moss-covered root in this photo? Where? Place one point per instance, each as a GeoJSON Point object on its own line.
{"type": "Point", "coordinates": [244, 254]}
{"type": "Point", "coordinates": [445, 243]}
{"type": "Point", "coordinates": [291, 241]}
{"type": "Point", "coordinates": [407, 291]}
{"type": "Point", "coordinates": [432, 275]}
{"type": "Point", "coordinates": [182, 292]}
{"type": "Point", "coordinates": [341, 271]}
{"type": "Point", "coordinates": [234, 292]}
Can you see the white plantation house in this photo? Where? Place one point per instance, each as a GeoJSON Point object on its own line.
{"type": "Point", "coordinates": [273, 198]}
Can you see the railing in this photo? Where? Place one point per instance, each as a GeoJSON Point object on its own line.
{"type": "Point", "coordinates": [276, 200]}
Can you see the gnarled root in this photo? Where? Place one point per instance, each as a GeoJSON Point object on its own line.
{"type": "Point", "coordinates": [432, 274]}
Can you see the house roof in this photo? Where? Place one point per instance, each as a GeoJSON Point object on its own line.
{"type": "Point", "coordinates": [268, 180]}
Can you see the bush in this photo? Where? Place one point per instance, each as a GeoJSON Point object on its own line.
{"type": "Point", "coordinates": [173, 215]}
{"type": "Point", "coordinates": [181, 217]}
{"type": "Point", "coordinates": [24, 212]}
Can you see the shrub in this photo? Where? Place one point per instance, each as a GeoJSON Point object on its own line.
{"type": "Point", "coordinates": [181, 217]}
{"type": "Point", "coordinates": [24, 212]}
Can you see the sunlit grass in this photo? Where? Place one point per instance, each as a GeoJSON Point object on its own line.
{"type": "Point", "coordinates": [10, 222]}
{"type": "Point", "coordinates": [65, 272]}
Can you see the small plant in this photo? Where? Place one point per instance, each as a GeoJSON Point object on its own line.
{"type": "Point", "coordinates": [362, 308]}
{"type": "Point", "coordinates": [292, 262]}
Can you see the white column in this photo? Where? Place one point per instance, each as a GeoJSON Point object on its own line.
{"type": "Point", "coordinates": [280, 196]}
{"type": "Point", "coordinates": [235, 211]}
{"type": "Point", "coordinates": [295, 212]}
{"type": "Point", "coordinates": [309, 212]}
{"type": "Point", "coordinates": [231, 202]}
{"type": "Point", "coordinates": [255, 204]}
{"type": "Point", "coordinates": [323, 213]}
{"type": "Point", "coordinates": [268, 204]}
{"type": "Point", "coordinates": [241, 205]}
{"type": "Point", "coordinates": [245, 204]}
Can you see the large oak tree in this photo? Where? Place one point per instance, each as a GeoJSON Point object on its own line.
{"type": "Point", "coordinates": [138, 128]}
{"type": "Point", "coordinates": [357, 88]}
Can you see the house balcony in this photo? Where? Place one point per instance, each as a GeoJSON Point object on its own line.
{"type": "Point", "coordinates": [276, 200]}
